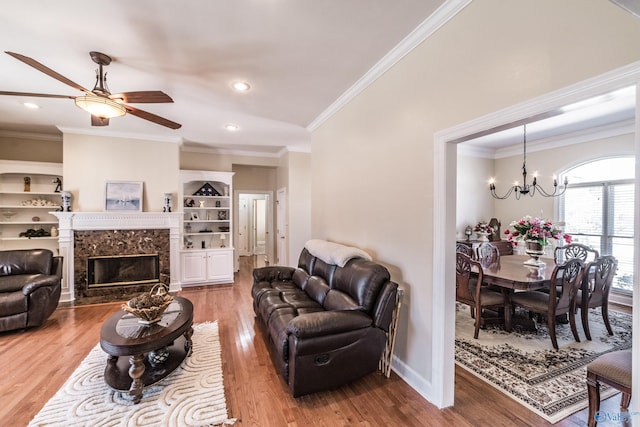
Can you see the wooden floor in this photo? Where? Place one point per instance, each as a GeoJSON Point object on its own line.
{"type": "Point", "coordinates": [36, 362]}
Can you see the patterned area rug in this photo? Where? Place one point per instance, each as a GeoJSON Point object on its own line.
{"type": "Point", "coordinates": [524, 365]}
{"type": "Point", "coordinates": [193, 395]}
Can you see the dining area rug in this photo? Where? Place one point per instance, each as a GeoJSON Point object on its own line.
{"type": "Point", "coordinates": [192, 395]}
{"type": "Point", "coordinates": [524, 365]}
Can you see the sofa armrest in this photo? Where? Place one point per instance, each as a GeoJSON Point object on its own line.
{"type": "Point", "coordinates": [272, 274]}
{"type": "Point", "coordinates": [56, 266]}
{"type": "Point", "coordinates": [41, 281]}
{"type": "Point", "coordinates": [327, 323]}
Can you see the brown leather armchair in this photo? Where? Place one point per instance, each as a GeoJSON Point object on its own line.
{"type": "Point", "coordinates": [30, 286]}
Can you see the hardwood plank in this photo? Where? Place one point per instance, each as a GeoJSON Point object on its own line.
{"type": "Point", "coordinates": [36, 362]}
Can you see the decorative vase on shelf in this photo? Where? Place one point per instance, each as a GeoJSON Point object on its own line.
{"type": "Point", "coordinates": [535, 250]}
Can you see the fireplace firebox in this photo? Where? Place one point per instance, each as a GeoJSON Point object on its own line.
{"type": "Point", "coordinates": [122, 270]}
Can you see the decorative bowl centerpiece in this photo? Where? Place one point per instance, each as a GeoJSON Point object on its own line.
{"type": "Point", "coordinates": [149, 307]}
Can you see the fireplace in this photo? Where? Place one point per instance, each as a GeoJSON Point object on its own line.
{"type": "Point", "coordinates": [122, 270]}
{"type": "Point", "coordinates": [102, 236]}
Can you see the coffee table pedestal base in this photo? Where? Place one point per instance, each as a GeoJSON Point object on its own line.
{"type": "Point", "coordinates": [132, 373]}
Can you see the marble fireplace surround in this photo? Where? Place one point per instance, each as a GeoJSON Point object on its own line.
{"type": "Point", "coordinates": [71, 222]}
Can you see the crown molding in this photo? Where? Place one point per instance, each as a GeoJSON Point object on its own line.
{"type": "Point", "coordinates": [31, 135]}
{"type": "Point", "coordinates": [626, 127]}
{"type": "Point", "coordinates": [229, 152]}
{"type": "Point", "coordinates": [428, 27]}
{"type": "Point", "coordinates": [110, 134]}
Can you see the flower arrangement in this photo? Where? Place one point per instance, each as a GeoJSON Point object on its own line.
{"type": "Point", "coordinates": [536, 229]}
{"type": "Point", "coordinates": [483, 227]}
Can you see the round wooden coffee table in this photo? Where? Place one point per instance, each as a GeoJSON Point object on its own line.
{"type": "Point", "coordinates": [154, 351]}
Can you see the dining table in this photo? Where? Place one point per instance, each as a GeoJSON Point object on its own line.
{"type": "Point", "coordinates": [511, 274]}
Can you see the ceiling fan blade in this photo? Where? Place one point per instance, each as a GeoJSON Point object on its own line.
{"type": "Point", "coordinates": [39, 95]}
{"type": "Point", "coordinates": [145, 96]}
{"type": "Point", "coordinates": [98, 121]}
{"type": "Point", "coordinates": [152, 117]}
{"type": "Point", "coordinates": [48, 71]}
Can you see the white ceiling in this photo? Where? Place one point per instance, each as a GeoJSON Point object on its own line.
{"type": "Point", "coordinates": [298, 55]}
{"type": "Point", "coordinates": [604, 115]}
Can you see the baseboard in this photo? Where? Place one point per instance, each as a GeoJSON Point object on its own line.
{"type": "Point", "coordinates": [411, 377]}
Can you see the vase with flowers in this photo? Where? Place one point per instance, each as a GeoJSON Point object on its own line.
{"type": "Point", "coordinates": [536, 233]}
{"type": "Point", "coordinates": [483, 230]}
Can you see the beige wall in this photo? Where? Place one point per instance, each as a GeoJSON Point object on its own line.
{"type": "Point", "coordinates": [254, 178]}
{"type": "Point", "coordinates": [474, 204]}
{"type": "Point", "coordinates": [210, 161]}
{"type": "Point", "coordinates": [373, 161]}
{"type": "Point", "coordinates": [90, 161]}
{"type": "Point", "coordinates": [299, 196]}
{"type": "Point", "coordinates": [35, 148]}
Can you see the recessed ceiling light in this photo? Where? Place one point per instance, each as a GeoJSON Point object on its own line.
{"type": "Point", "coordinates": [240, 86]}
{"type": "Point", "coordinates": [231, 127]}
{"type": "Point", "coordinates": [31, 105]}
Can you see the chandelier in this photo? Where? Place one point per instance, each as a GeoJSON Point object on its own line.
{"type": "Point", "coordinates": [525, 188]}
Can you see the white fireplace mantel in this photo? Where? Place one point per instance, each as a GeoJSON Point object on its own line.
{"type": "Point", "coordinates": [68, 222]}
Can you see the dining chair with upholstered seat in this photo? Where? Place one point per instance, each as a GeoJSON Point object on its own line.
{"type": "Point", "coordinates": [560, 299]}
{"type": "Point", "coordinates": [488, 255]}
{"type": "Point", "coordinates": [465, 249]}
{"type": "Point", "coordinates": [470, 291]}
{"type": "Point", "coordinates": [574, 250]}
{"type": "Point", "coordinates": [594, 292]}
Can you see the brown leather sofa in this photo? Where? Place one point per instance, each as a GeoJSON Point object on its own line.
{"type": "Point", "coordinates": [30, 285]}
{"type": "Point", "coordinates": [327, 320]}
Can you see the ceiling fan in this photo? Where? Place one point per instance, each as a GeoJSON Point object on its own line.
{"type": "Point", "coordinates": [99, 102]}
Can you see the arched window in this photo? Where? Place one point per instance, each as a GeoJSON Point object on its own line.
{"type": "Point", "coordinates": [598, 210]}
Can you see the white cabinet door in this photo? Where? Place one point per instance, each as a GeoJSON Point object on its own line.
{"type": "Point", "coordinates": [220, 266]}
{"type": "Point", "coordinates": [194, 266]}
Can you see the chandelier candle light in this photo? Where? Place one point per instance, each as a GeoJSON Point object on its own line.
{"type": "Point", "coordinates": [536, 233]}
{"type": "Point", "coordinates": [526, 188]}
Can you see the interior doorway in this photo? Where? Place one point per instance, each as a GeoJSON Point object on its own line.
{"type": "Point", "coordinates": [255, 224]}
{"type": "Point", "coordinates": [444, 222]}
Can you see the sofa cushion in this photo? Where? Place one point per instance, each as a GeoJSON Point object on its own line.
{"type": "Point", "coordinates": [18, 282]}
{"type": "Point", "coordinates": [324, 270]}
{"type": "Point", "coordinates": [362, 281]}
{"type": "Point", "coordinates": [13, 303]}
{"type": "Point", "coordinates": [317, 289]}
{"type": "Point", "coordinates": [306, 260]}
{"type": "Point", "coordinates": [28, 261]}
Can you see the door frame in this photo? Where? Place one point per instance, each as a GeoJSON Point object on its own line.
{"type": "Point", "coordinates": [444, 222]}
{"type": "Point", "coordinates": [269, 222]}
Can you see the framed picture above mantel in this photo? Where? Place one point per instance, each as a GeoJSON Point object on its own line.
{"type": "Point", "coordinates": [123, 196]}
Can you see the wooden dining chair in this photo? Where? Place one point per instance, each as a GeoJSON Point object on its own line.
{"type": "Point", "coordinates": [470, 291]}
{"type": "Point", "coordinates": [560, 299]}
{"type": "Point", "coordinates": [465, 249]}
{"type": "Point", "coordinates": [594, 292]}
{"type": "Point", "coordinates": [574, 250]}
{"type": "Point", "coordinates": [487, 255]}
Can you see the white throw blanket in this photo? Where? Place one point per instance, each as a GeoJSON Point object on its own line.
{"type": "Point", "coordinates": [334, 253]}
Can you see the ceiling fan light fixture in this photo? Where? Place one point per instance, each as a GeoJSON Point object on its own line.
{"type": "Point", "coordinates": [101, 107]}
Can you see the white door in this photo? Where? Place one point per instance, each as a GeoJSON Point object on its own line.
{"type": "Point", "coordinates": [259, 226]}
{"type": "Point", "coordinates": [243, 225]}
{"type": "Point", "coordinates": [282, 221]}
